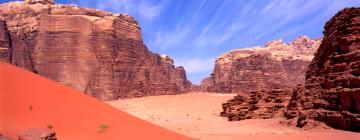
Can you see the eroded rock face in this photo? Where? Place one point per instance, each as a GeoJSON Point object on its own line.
{"type": "Point", "coordinates": [97, 52]}
{"type": "Point", "coordinates": [332, 88]}
{"type": "Point", "coordinates": [37, 134]}
{"type": "Point", "coordinates": [277, 65]}
{"type": "Point", "coordinates": [256, 105]}
{"type": "Point", "coordinates": [4, 42]}
{"type": "Point", "coordinates": [39, 1]}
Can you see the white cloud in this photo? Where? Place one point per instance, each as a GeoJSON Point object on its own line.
{"type": "Point", "coordinates": [195, 65]}
{"type": "Point", "coordinates": [231, 31]}
{"type": "Point", "coordinates": [217, 38]}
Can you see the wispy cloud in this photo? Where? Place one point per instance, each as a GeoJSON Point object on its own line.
{"type": "Point", "coordinates": [217, 39]}
{"type": "Point", "coordinates": [195, 65]}
{"type": "Point", "coordinates": [167, 40]}
{"type": "Point", "coordinates": [144, 9]}
{"type": "Point", "coordinates": [278, 14]}
{"type": "Point", "coordinates": [149, 11]}
{"type": "Point", "coordinates": [215, 32]}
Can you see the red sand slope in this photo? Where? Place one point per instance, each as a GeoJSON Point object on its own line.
{"type": "Point", "coordinates": [30, 101]}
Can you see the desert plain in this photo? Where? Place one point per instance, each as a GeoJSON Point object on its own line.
{"type": "Point", "coordinates": [197, 115]}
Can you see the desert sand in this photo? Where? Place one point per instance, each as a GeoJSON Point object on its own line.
{"type": "Point", "coordinates": [197, 115]}
{"type": "Point", "coordinates": [41, 102]}
{"type": "Point", "coordinates": [31, 101]}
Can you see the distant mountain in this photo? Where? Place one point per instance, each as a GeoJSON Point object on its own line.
{"type": "Point", "coordinates": [276, 65]}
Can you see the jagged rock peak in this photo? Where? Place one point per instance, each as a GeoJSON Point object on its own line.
{"type": "Point", "coordinates": [39, 1]}
{"type": "Point", "coordinates": [275, 43]}
{"type": "Point", "coordinates": [304, 41]}
{"type": "Point", "coordinates": [301, 48]}
{"type": "Point", "coordinates": [167, 59]}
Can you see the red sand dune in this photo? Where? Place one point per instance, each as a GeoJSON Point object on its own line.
{"type": "Point", "coordinates": [31, 101]}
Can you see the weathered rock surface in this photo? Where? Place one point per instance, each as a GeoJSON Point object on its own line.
{"type": "Point", "coordinates": [277, 65]}
{"type": "Point", "coordinates": [4, 42]}
{"type": "Point", "coordinates": [257, 105]}
{"type": "Point", "coordinates": [332, 89]}
{"type": "Point", "coordinates": [37, 134]}
{"type": "Point", "coordinates": [97, 52]}
{"type": "Point", "coordinates": [39, 1]}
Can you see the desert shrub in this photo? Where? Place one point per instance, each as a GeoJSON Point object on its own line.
{"type": "Point", "coordinates": [103, 127]}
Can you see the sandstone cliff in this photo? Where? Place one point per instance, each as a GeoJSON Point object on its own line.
{"type": "Point", "coordinates": [276, 65]}
{"type": "Point", "coordinates": [332, 89]}
{"type": "Point", "coordinates": [97, 52]}
{"type": "Point", "coordinates": [4, 42]}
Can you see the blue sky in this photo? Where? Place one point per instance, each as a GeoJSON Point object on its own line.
{"type": "Point", "coordinates": [195, 32]}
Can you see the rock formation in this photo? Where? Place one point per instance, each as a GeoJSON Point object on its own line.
{"type": "Point", "coordinates": [277, 65]}
{"type": "Point", "coordinates": [332, 89]}
{"type": "Point", "coordinates": [97, 52]}
{"type": "Point", "coordinates": [37, 134]}
{"type": "Point", "coordinates": [256, 105]}
{"type": "Point", "coordinates": [39, 1]}
{"type": "Point", "coordinates": [4, 42]}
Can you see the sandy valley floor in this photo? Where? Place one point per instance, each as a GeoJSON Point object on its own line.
{"type": "Point", "coordinates": [197, 115]}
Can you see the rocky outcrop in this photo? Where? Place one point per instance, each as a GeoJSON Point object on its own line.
{"type": "Point", "coordinates": [277, 65]}
{"type": "Point", "coordinates": [332, 89]}
{"type": "Point", "coordinates": [37, 134]}
{"type": "Point", "coordinates": [256, 105]}
{"type": "Point", "coordinates": [39, 1]}
{"type": "Point", "coordinates": [97, 52]}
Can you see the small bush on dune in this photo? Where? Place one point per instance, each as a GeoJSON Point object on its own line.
{"type": "Point", "coordinates": [103, 127]}
{"type": "Point", "coordinates": [50, 126]}
{"type": "Point", "coordinates": [31, 107]}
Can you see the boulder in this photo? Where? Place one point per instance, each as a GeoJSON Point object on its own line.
{"type": "Point", "coordinates": [256, 105]}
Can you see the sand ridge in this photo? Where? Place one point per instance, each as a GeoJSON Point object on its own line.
{"type": "Point", "coordinates": [73, 115]}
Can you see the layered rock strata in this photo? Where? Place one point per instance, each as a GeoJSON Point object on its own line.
{"type": "Point", "coordinates": [93, 51]}
{"type": "Point", "coordinates": [4, 42]}
{"type": "Point", "coordinates": [277, 65]}
{"type": "Point", "coordinates": [332, 89]}
{"type": "Point", "coordinates": [256, 105]}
